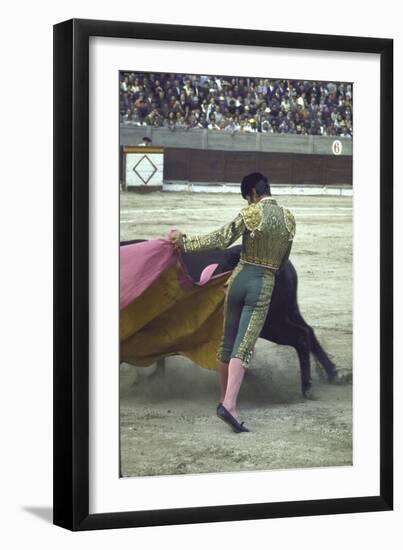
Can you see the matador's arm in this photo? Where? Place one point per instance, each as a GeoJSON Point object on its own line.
{"type": "Point", "coordinates": [291, 226]}
{"type": "Point", "coordinates": [216, 240]}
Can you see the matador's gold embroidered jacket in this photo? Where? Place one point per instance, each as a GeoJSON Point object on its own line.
{"type": "Point", "coordinates": [267, 231]}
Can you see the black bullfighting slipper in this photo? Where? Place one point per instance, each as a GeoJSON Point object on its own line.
{"type": "Point", "coordinates": [230, 420]}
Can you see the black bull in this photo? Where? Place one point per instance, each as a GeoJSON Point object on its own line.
{"type": "Point", "coordinates": [284, 323]}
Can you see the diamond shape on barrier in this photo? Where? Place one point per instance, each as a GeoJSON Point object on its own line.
{"type": "Point", "coordinates": [145, 169]}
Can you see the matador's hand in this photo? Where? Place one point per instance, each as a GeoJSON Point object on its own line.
{"type": "Point", "coordinates": [176, 237]}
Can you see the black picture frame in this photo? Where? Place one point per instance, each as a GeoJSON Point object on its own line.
{"type": "Point", "coordinates": [71, 274]}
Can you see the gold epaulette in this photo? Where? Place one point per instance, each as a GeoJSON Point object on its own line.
{"type": "Point", "coordinates": [289, 221]}
{"type": "Point", "coordinates": [252, 216]}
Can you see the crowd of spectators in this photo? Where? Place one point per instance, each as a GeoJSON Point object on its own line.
{"type": "Point", "coordinates": [236, 104]}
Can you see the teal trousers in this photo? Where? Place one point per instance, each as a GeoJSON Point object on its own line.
{"type": "Point", "coordinates": [245, 310]}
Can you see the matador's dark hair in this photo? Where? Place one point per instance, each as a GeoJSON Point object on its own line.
{"type": "Point", "coordinates": [256, 181]}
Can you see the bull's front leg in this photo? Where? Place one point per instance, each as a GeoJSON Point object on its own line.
{"type": "Point", "coordinates": [160, 368]}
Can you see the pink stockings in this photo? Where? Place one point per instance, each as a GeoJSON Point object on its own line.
{"type": "Point", "coordinates": [231, 376]}
{"type": "Point", "coordinates": [223, 375]}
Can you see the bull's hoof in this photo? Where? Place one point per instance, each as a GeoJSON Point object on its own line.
{"type": "Point", "coordinates": [341, 377]}
{"type": "Point", "coordinates": [308, 393]}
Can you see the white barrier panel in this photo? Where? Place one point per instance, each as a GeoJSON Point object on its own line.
{"type": "Point", "coordinates": [144, 166]}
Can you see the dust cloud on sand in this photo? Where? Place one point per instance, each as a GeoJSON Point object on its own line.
{"type": "Point", "coordinates": [168, 421]}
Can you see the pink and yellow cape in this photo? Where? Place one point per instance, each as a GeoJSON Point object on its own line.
{"type": "Point", "coordinates": [163, 311]}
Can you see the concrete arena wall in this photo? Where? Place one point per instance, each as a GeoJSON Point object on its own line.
{"type": "Point", "coordinates": [214, 157]}
{"type": "Point", "coordinates": [225, 141]}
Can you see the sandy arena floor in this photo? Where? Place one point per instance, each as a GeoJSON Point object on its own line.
{"type": "Point", "coordinates": [168, 423]}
